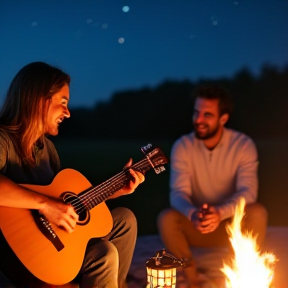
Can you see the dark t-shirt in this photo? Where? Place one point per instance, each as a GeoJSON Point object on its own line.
{"type": "Point", "coordinates": [47, 166]}
{"type": "Point", "coordinates": [47, 163]}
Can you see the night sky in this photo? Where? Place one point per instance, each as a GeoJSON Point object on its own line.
{"type": "Point", "coordinates": [108, 46]}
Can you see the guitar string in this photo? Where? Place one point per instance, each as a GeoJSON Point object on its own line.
{"type": "Point", "coordinates": [101, 189]}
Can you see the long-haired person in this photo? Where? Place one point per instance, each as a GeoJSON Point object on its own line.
{"type": "Point", "coordinates": [36, 103]}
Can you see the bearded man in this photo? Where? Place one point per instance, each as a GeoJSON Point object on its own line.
{"type": "Point", "coordinates": [211, 169]}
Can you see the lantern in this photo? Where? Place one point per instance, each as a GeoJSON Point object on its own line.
{"type": "Point", "coordinates": [161, 270]}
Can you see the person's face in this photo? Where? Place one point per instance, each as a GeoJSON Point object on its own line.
{"type": "Point", "coordinates": [206, 118]}
{"type": "Point", "coordinates": [58, 110]}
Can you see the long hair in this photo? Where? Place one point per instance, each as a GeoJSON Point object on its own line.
{"type": "Point", "coordinates": [23, 114]}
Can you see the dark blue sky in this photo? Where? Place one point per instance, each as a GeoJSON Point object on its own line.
{"type": "Point", "coordinates": [161, 39]}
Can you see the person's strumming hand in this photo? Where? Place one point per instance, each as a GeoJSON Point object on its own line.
{"type": "Point", "coordinates": [206, 219]}
{"type": "Point", "coordinates": [59, 213]}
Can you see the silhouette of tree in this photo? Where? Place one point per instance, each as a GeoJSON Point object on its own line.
{"type": "Point", "coordinates": [261, 105]}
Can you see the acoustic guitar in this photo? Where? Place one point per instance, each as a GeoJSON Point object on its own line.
{"type": "Point", "coordinates": [50, 253]}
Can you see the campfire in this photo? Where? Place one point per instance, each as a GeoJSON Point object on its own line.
{"type": "Point", "coordinates": [248, 267]}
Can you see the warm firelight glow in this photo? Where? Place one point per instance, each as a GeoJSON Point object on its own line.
{"type": "Point", "coordinates": [249, 268]}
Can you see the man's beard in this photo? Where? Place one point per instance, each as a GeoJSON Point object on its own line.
{"type": "Point", "coordinates": [209, 134]}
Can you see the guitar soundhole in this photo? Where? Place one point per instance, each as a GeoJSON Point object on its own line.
{"type": "Point", "coordinates": [79, 207]}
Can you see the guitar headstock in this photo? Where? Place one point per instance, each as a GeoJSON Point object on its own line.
{"type": "Point", "coordinates": [155, 157]}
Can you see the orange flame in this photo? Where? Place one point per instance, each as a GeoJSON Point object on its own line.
{"type": "Point", "coordinates": [249, 268]}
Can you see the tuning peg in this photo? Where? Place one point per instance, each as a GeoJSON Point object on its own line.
{"type": "Point", "coordinates": [159, 169]}
{"type": "Point", "coordinates": [146, 148]}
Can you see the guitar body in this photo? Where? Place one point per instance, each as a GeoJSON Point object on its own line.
{"type": "Point", "coordinates": [52, 254]}
{"type": "Point", "coordinates": [35, 251]}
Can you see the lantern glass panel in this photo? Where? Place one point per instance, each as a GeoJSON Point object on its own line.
{"type": "Point", "coordinates": [161, 282]}
{"type": "Point", "coordinates": [168, 273]}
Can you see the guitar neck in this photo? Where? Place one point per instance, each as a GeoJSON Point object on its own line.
{"type": "Point", "coordinates": [103, 191]}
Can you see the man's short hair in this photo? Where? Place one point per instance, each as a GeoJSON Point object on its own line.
{"type": "Point", "coordinates": [217, 92]}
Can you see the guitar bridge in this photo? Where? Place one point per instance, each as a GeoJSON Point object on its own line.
{"type": "Point", "coordinates": [47, 230]}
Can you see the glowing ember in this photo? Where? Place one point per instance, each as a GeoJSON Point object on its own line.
{"type": "Point", "coordinates": [249, 268]}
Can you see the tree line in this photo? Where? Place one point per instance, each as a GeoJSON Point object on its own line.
{"type": "Point", "coordinates": [165, 112]}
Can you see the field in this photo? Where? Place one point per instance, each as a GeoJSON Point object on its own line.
{"type": "Point", "coordinates": [100, 160]}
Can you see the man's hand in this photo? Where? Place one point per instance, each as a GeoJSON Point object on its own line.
{"type": "Point", "coordinates": [60, 214]}
{"type": "Point", "coordinates": [206, 219]}
{"type": "Point", "coordinates": [137, 178]}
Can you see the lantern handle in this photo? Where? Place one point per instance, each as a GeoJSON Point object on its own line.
{"type": "Point", "coordinates": [161, 253]}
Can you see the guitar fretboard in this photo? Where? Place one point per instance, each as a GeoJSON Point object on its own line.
{"type": "Point", "coordinates": [103, 191]}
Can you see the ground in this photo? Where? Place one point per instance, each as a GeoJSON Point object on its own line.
{"type": "Point", "coordinates": [209, 261]}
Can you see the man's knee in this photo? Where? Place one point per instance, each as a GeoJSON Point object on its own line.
{"type": "Point", "coordinates": [129, 217]}
{"type": "Point", "coordinates": [256, 212]}
{"type": "Point", "coordinates": [167, 217]}
{"type": "Point", "coordinates": [125, 216]}
{"type": "Point", "coordinates": [255, 221]}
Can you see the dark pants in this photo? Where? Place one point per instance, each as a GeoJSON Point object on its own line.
{"type": "Point", "coordinates": [106, 262]}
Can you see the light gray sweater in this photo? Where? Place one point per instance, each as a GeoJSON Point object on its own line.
{"type": "Point", "coordinates": [218, 177]}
